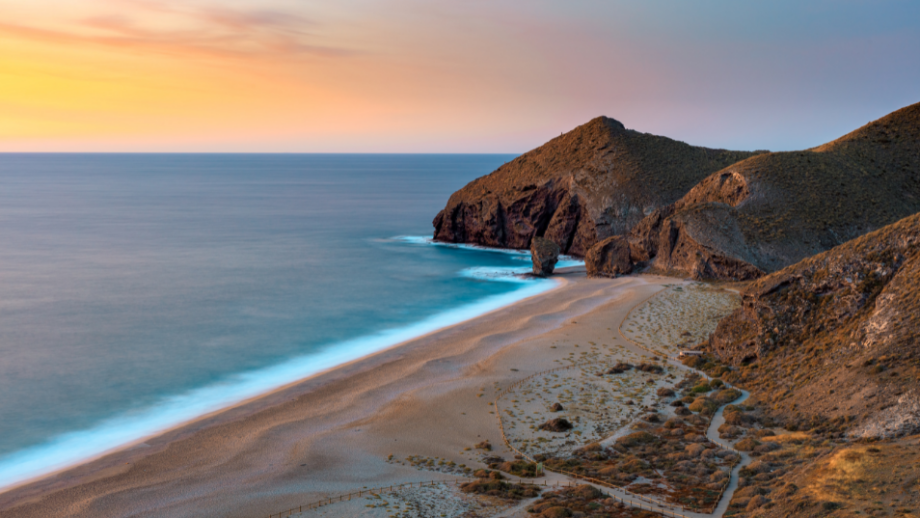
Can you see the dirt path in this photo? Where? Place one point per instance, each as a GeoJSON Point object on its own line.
{"type": "Point", "coordinates": [712, 434]}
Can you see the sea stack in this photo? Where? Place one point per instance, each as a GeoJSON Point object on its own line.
{"type": "Point", "coordinates": [545, 255]}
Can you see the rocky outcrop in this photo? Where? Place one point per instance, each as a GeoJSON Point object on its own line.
{"type": "Point", "coordinates": [558, 425]}
{"type": "Point", "coordinates": [609, 258]}
{"type": "Point", "coordinates": [771, 210]}
{"type": "Point", "coordinates": [594, 182]}
{"type": "Point", "coordinates": [703, 242]}
{"type": "Point", "coordinates": [544, 254]}
{"type": "Point", "coordinates": [835, 336]}
{"type": "Point", "coordinates": [903, 418]}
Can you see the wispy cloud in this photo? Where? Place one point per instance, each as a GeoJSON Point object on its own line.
{"type": "Point", "coordinates": [182, 29]}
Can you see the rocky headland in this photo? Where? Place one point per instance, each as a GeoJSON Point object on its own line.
{"type": "Point", "coordinates": [593, 182]}
{"type": "Point", "coordinates": [691, 211]}
{"type": "Point", "coordinates": [769, 211]}
{"type": "Point", "coordinates": [824, 247]}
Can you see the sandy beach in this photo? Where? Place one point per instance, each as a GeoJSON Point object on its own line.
{"type": "Point", "coordinates": [430, 398]}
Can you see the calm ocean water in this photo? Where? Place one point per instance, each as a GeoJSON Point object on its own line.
{"type": "Point", "coordinates": [139, 291]}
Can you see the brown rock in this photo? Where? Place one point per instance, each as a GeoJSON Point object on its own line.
{"type": "Point", "coordinates": [771, 210]}
{"type": "Point", "coordinates": [609, 258]}
{"type": "Point", "coordinates": [559, 425]}
{"type": "Point", "coordinates": [598, 180]}
{"type": "Point", "coordinates": [857, 307]}
{"type": "Point", "coordinates": [620, 368]}
{"type": "Point", "coordinates": [703, 242]}
{"type": "Point", "coordinates": [544, 254]}
{"type": "Point", "coordinates": [664, 392]}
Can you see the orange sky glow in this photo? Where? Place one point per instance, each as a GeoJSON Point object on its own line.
{"type": "Point", "coordinates": [424, 76]}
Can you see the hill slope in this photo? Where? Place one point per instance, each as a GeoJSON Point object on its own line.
{"type": "Point", "coordinates": [835, 336]}
{"type": "Point", "coordinates": [771, 210]}
{"type": "Point", "coordinates": [595, 181]}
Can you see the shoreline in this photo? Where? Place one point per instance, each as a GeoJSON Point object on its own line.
{"type": "Point", "coordinates": [252, 399]}
{"type": "Point", "coordinates": [369, 390]}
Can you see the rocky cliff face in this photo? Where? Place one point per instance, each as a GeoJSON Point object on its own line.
{"type": "Point", "coordinates": [836, 336]}
{"type": "Point", "coordinates": [596, 181]}
{"type": "Point", "coordinates": [772, 210]}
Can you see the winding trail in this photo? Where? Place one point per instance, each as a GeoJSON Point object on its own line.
{"type": "Point", "coordinates": [642, 501]}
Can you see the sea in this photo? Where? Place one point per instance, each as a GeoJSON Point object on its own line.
{"type": "Point", "coordinates": [140, 291]}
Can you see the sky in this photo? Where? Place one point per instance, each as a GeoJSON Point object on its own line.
{"type": "Point", "coordinates": [432, 76]}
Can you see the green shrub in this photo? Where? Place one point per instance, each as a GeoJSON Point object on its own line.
{"type": "Point", "coordinates": [726, 396]}
{"type": "Point", "coordinates": [702, 388]}
{"type": "Point", "coordinates": [636, 439]}
{"type": "Point", "coordinates": [704, 406]}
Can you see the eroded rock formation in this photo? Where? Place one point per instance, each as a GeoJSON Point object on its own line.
{"type": "Point", "coordinates": [609, 258]}
{"type": "Point", "coordinates": [544, 254]}
{"type": "Point", "coordinates": [594, 182]}
{"type": "Point", "coordinates": [835, 336]}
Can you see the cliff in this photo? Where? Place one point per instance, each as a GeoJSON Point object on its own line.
{"type": "Point", "coordinates": [596, 181]}
{"type": "Point", "coordinates": [834, 337]}
{"type": "Point", "coordinates": [772, 210]}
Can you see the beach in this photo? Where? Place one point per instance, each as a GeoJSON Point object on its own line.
{"type": "Point", "coordinates": [333, 433]}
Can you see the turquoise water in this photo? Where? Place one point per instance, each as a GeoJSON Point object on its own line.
{"type": "Point", "coordinates": [140, 291]}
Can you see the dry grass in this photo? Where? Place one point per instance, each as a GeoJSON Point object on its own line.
{"type": "Point", "coordinates": [816, 479]}
{"type": "Point", "coordinates": [830, 341]}
{"type": "Point", "coordinates": [792, 205]}
{"type": "Point", "coordinates": [586, 500]}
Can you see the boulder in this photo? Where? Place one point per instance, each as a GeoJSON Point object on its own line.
{"type": "Point", "coordinates": [620, 368]}
{"type": "Point", "coordinates": [609, 258]}
{"type": "Point", "coordinates": [664, 392]}
{"type": "Point", "coordinates": [545, 255]}
{"type": "Point", "coordinates": [559, 425]}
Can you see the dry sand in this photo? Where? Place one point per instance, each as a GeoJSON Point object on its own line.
{"type": "Point", "coordinates": [441, 500]}
{"type": "Point", "coordinates": [597, 406]}
{"type": "Point", "coordinates": [679, 317]}
{"type": "Point", "coordinates": [333, 433]}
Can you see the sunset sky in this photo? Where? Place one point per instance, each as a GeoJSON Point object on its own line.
{"type": "Point", "coordinates": [445, 76]}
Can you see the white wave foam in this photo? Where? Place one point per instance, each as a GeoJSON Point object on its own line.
{"type": "Point", "coordinates": [423, 240]}
{"type": "Point", "coordinates": [517, 274]}
{"type": "Point", "coordinates": [565, 261]}
{"type": "Point", "coordinates": [80, 446]}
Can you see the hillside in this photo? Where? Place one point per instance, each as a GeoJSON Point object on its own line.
{"type": "Point", "coordinates": [772, 210]}
{"type": "Point", "coordinates": [833, 338]}
{"type": "Point", "coordinates": [595, 181]}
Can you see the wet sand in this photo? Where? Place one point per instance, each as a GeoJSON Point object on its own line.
{"type": "Point", "coordinates": [333, 433]}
